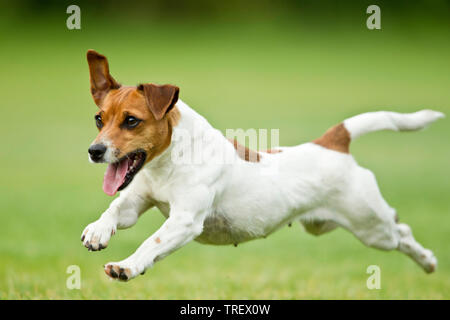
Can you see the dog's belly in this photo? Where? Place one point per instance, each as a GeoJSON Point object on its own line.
{"type": "Point", "coordinates": [218, 230]}
{"type": "Point", "coordinates": [254, 205]}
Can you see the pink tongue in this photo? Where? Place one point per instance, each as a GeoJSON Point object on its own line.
{"type": "Point", "coordinates": [114, 177]}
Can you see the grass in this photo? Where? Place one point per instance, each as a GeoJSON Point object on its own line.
{"type": "Point", "coordinates": [254, 75]}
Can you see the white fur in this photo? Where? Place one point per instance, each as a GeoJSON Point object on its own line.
{"type": "Point", "coordinates": [385, 120]}
{"type": "Point", "coordinates": [231, 203]}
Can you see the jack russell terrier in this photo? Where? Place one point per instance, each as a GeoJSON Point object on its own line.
{"type": "Point", "coordinates": [317, 183]}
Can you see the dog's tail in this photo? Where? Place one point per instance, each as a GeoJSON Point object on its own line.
{"type": "Point", "coordinates": [384, 120]}
{"type": "Point", "coordinates": [338, 138]}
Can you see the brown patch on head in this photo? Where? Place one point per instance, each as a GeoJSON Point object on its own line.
{"type": "Point", "coordinates": [101, 80]}
{"type": "Point", "coordinates": [336, 138]}
{"type": "Point", "coordinates": [159, 99]}
{"type": "Point", "coordinates": [158, 240]}
{"type": "Point", "coordinates": [150, 135]}
{"type": "Point", "coordinates": [153, 106]}
{"type": "Point", "coordinates": [244, 152]}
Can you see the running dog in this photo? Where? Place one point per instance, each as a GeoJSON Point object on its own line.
{"type": "Point", "coordinates": [317, 183]}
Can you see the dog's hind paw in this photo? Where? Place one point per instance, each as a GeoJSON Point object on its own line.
{"type": "Point", "coordinates": [429, 261]}
{"type": "Point", "coordinates": [96, 235]}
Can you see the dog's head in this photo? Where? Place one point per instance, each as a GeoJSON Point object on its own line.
{"type": "Point", "coordinates": [134, 123]}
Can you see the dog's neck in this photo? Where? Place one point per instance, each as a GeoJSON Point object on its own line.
{"type": "Point", "coordinates": [191, 128]}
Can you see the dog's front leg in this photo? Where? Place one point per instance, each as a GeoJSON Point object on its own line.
{"type": "Point", "coordinates": [123, 213]}
{"type": "Point", "coordinates": [180, 228]}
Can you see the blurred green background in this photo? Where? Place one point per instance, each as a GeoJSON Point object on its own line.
{"type": "Point", "coordinates": [296, 66]}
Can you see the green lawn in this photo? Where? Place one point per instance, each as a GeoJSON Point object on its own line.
{"type": "Point", "coordinates": [273, 75]}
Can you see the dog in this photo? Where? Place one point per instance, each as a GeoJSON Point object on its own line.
{"type": "Point", "coordinates": [317, 183]}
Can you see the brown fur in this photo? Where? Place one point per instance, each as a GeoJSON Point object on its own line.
{"type": "Point", "coordinates": [151, 103]}
{"type": "Point", "coordinates": [101, 80]}
{"type": "Point", "coordinates": [247, 154]}
{"type": "Point", "coordinates": [151, 135]}
{"type": "Point", "coordinates": [244, 152]}
{"type": "Point", "coordinates": [336, 138]}
{"type": "Point", "coordinates": [273, 151]}
{"type": "Point", "coordinates": [160, 99]}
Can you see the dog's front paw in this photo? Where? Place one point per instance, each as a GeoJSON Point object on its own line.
{"type": "Point", "coordinates": [97, 234]}
{"type": "Point", "coordinates": [122, 271]}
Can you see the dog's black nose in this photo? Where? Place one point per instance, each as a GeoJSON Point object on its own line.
{"type": "Point", "coordinates": [97, 151]}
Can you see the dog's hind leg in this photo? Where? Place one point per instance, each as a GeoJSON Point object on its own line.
{"type": "Point", "coordinates": [368, 216]}
{"type": "Point", "coordinates": [408, 245]}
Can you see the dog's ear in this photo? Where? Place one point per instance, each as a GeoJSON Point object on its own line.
{"type": "Point", "coordinates": [160, 99]}
{"type": "Point", "coordinates": [101, 80]}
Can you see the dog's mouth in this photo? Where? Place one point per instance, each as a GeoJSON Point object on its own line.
{"type": "Point", "coordinates": [119, 174]}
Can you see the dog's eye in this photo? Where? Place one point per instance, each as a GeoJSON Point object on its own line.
{"type": "Point", "coordinates": [98, 121]}
{"type": "Point", "coordinates": [131, 122]}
